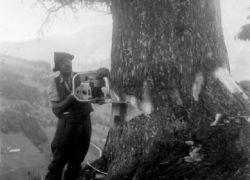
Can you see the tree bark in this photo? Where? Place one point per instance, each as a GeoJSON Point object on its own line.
{"type": "Point", "coordinates": [169, 61]}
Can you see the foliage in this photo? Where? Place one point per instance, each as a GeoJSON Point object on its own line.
{"type": "Point", "coordinates": [53, 6]}
{"type": "Point", "coordinates": [58, 4]}
{"type": "Point", "coordinates": [15, 90]}
{"type": "Point", "coordinates": [42, 73]}
{"type": "Point", "coordinates": [45, 65]}
{"type": "Point", "coordinates": [244, 34]}
{"type": "Point", "coordinates": [19, 118]}
{"type": "Point", "coordinates": [24, 106]}
{"type": "Point", "coordinates": [33, 175]}
{"type": "Point", "coordinates": [10, 76]}
{"type": "Point", "coordinates": [100, 120]}
{"type": "Point", "coordinates": [245, 85]}
{"type": "Point", "coordinates": [41, 78]}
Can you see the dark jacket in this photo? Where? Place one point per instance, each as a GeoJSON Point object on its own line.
{"type": "Point", "coordinates": [77, 108]}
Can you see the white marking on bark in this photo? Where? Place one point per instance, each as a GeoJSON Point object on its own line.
{"type": "Point", "coordinates": [114, 96]}
{"type": "Point", "coordinates": [199, 35]}
{"type": "Point", "coordinates": [146, 104]}
{"type": "Point", "coordinates": [175, 95]}
{"type": "Point", "coordinates": [217, 118]}
{"type": "Point", "coordinates": [225, 77]}
{"type": "Point", "coordinates": [143, 15]}
{"type": "Point", "coordinates": [197, 86]}
{"type": "Point", "coordinates": [134, 107]}
{"type": "Point", "coordinates": [248, 119]}
{"type": "Point", "coordinates": [14, 150]}
{"type": "Point", "coordinates": [106, 89]}
{"type": "Point", "coordinates": [146, 107]}
{"type": "Point", "coordinates": [203, 4]}
{"type": "Point", "coordinates": [194, 155]}
{"type": "Point", "coordinates": [137, 107]}
{"type": "Point", "coordinates": [133, 101]}
{"type": "Point", "coordinates": [132, 111]}
{"type": "Point", "coordinates": [209, 55]}
{"type": "Point", "coordinates": [189, 143]}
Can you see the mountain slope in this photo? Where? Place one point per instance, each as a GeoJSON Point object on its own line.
{"type": "Point", "coordinates": [26, 120]}
{"type": "Point", "coordinates": [28, 157]}
{"type": "Point", "coordinates": [91, 47]}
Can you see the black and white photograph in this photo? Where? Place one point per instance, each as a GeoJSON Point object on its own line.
{"type": "Point", "coordinates": [125, 90]}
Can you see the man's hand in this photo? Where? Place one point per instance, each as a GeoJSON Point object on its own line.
{"type": "Point", "coordinates": [72, 98]}
{"type": "Point", "coordinates": [102, 72]}
{"type": "Point", "coordinates": [98, 83]}
{"type": "Point", "coordinates": [100, 101]}
{"type": "Point", "coordinates": [60, 107]}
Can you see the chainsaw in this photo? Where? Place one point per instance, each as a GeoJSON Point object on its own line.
{"type": "Point", "coordinates": [92, 86]}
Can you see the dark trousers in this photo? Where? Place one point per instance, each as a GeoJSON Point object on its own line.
{"type": "Point", "coordinates": [69, 146]}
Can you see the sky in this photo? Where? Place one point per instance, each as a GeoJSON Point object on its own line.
{"type": "Point", "coordinates": [20, 20]}
{"type": "Point", "coordinates": [234, 15]}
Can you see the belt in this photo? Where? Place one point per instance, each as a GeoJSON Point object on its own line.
{"type": "Point", "coordinates": [76, 114]}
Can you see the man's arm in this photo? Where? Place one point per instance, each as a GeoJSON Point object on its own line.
{"type": "Point", "coordinates": [60, 107]}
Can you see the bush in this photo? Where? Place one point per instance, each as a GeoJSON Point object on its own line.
{"type": "Point", "coordinates": [15, 90]}
{"type": "Point", "coordinates": [19, 118]}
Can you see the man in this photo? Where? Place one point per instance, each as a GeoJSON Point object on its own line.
{"type": "Point", "coordinates": [72, 138]}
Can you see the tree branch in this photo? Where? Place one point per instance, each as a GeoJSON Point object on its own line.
{"type": "Point", "coordinates": [57, 5]}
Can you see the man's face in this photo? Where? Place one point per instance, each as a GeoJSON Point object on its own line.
{"type": "Point", "coordinates": [65, 67]}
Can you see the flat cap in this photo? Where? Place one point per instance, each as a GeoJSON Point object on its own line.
{"type": "Point", "coordinates": [59, 56]}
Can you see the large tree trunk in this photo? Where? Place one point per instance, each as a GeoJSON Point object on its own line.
{"type": "Point", "coordinates": [185, 119]}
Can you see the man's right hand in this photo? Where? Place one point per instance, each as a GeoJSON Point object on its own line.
{"type": "Point", "coordinates": [60, 107]}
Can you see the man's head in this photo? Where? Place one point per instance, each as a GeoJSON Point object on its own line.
{"type": "Point", "coordinates": [63, 62]}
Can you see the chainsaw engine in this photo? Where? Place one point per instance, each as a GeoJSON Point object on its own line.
{"type": "Point", "coordinates": [91, 86]}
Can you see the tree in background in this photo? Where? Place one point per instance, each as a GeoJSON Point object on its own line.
{"type": "Point", "coordinates": [244, 33]}
{"type": "Point", "coordinates": [169, 60]}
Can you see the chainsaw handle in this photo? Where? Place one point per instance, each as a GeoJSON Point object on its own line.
{"type": "Point", "coordinates": [74, 90]}
{"type": "Point", "coordinates": [92, 83]}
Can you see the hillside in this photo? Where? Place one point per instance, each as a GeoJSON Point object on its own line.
{"type": "Point", "coordinates": [17, 164]}
{"type": "Point", "coordinates": [26, 121]}
{"type": "Point", "coordinates": [245, 85]}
